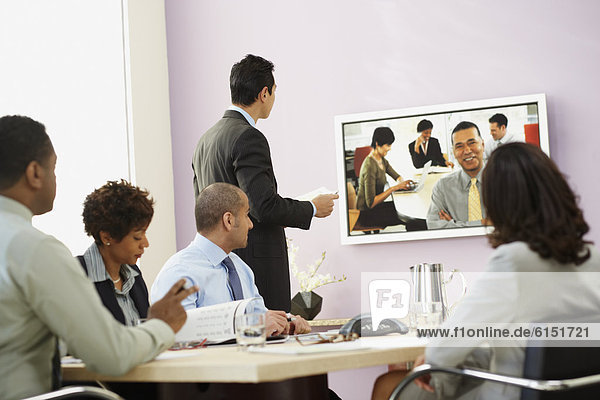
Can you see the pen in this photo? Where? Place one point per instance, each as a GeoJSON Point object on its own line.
{"type": "Point", "coordinates": [185, 286]}
{"type": "Point", "coordinates": [290, 317]}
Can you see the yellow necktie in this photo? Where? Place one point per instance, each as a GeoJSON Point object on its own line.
{"type": "Point", "coordinates": [474, 202]}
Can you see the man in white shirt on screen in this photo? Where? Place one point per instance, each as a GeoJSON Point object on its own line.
{"type": "Point", "coordinates": [222, 224]}
{"type": "Point", "coordinates": [44, 293]}
{"type": "Point", "coordinates": [498, 123]}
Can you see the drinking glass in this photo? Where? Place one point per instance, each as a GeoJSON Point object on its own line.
{"type": "Point", "coordinates": [250, 330]}
{"type": "Point", "coordinates": [426, 314]}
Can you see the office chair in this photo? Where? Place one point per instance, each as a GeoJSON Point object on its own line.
{"type": "Point", "coordinates": [360, 153]}
{"type": "Point", "coordinates": [78, 392]}
{"type": "Point", "coordinates": [549, 373]}
{"type": "Point", "coordinates": [532, 134]}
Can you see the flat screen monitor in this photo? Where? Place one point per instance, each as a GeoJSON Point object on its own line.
{"type": "Point", "coordinates": [406, 215]}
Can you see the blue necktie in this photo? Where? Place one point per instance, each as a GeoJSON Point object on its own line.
{"type": "Point", "coordinates": [234, 279]}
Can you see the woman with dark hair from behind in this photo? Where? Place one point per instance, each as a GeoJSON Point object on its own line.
{"type": "Point", "coordinates": [374, 211]}
{"type": "Point", "coordinates": [117, 216]}
{"type": "Point", "coordinates": [529, 201]}
{"type": "Point", "coordinates": [538, 227]}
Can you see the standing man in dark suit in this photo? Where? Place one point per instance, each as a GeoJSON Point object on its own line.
{"type": "Point", "coordinates": [234, 151]}
{"type": "Point", "coordinates": [426, 148]}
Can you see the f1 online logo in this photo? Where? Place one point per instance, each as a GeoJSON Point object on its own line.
{"type": "Point", "coordinates": [388, 298]}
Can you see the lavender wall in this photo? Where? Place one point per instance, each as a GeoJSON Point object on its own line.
{"type": "Point", "coordinates": [353, 56]}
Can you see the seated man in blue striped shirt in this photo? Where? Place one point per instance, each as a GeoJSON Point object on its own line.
{"type": "Point", "coordinates": [208, 261]}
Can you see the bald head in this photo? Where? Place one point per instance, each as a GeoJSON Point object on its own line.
{"type": "Point", "coordinates": [214, 201]}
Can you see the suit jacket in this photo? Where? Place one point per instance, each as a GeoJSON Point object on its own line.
{"type": "Point", "coordinates": [235, 152]}
{"type": "Point", "coordinates": [434, 153]}
{"type": "Point", "coordinates": [138, 294]}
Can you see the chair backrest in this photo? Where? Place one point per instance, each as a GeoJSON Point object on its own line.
{"type": "Point", "coordinates": [351, 193]}
{"type": "Point", "coordinates": [360, 153]}
{"type": "Point", "coordinates": [532, 134]}
{"type": "Point", "coordinates": [561, 363]}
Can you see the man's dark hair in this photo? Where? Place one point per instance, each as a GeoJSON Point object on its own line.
{"type": "Point", "coordinates": [423, 125]}
{"type": "Point", "coordinates": [214, 201]}
{"type": "Point", "coordinates": [22, 140]}
{"type": "Point", "coordinates": [528, 200]}
{"type": "Point", "coordinates": [116, 208]}
{"type": "Point", "coordinates": [382, 135]}
{"type": "Point", "coordinates": [462, 126]}
{"type": "Point", "coordinates": [499, 119]}
{"type": "Point", "coordinates": [248, 77]}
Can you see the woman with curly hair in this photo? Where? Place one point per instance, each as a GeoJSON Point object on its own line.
{"type": "Point", "coordinates": [117, 216]}
{"type": "Point", "coordinates": [542, 271]}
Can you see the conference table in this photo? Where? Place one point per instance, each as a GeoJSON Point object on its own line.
{"type": "Point", "coordinates": [416, 204]}
{"type": "Point", "coordinates": [253, 375]}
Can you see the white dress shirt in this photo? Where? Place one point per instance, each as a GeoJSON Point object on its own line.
{"type": "Point", "coordinates": [201, 263]}
{"type": "Point", "coordinates": [491, 144]}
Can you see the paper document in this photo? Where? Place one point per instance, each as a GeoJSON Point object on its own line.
{"type": "Point", "coordinates": [170, 355]}
{"type": "Point", "coordinates": [395, 342]}
{"type": "Point", "coordinates": [311, 195]}
{"type": "Point", "coordinates": [70, 360]}
{"type": "Point", "coordinates": [433, 170]}
{"type": "Point", "coordinates": [214, 323]}
{"type": "Point", "coordinates": [440, 170]}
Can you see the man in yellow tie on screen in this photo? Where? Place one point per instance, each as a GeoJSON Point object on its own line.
{"type": "Point", "coordinates": [474, 201]}
{"type": "Point", "coordinates": [456, 200]}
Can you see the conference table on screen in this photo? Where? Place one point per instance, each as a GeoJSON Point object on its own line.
{"type": "Point", "coordinates": [416, 204]}
{"type": "Point", "coordinates": [281, 374]}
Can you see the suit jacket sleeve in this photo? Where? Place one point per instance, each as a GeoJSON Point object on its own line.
{"type": "Point", "coordinates": [254, 172]}
{"type": "Point", "coordinates": [435, 152]}
{"type": "Point", "coordinates": [418, 159]}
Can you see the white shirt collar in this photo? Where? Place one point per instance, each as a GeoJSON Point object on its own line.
{"type": "Point", "coordinates": [213, 252]}
{"type": "Point", "coordinates": [244, 113]}
{"type": "Point", "coordinates": [16, 207]}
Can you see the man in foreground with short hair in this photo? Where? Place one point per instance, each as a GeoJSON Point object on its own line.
{"type": "Point", "coordinates": [44, 293]}
{"type": "Point", "coordinates": [498, 123]}
{"type": "Point", "coordinates": [456, 200]}
{"type": "Point", "coordinates": [222, 221]}
{"type": "Point", "coordinates": [236, 152]}
{"type": "Point", "coordinates": [426, 148]}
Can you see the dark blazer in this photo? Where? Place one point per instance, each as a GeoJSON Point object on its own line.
{"type": "Point", "coordinates": [233, 151]}
{"type": "Point", "coordinates": [434, 153]}
{"type": "Point", "coordinates": [138, 294]}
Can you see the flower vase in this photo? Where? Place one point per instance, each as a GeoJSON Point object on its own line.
{"type": "Point", "coordinates": [306, 304]}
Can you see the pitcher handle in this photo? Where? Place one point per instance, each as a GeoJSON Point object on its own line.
{"type": "Point", "coordinates": [463, 281]}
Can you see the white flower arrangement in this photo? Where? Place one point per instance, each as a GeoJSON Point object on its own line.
{"type": "Point", "coordinates": [309, 280]}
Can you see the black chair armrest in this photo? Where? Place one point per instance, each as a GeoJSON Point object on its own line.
{"type": "Point", "coordinates": [78, 392]}
{"type": "Point", "coordinates": [545, 385]}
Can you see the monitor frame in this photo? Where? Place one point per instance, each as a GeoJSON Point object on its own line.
{"type": "Point", "coordinates": [387, 117]}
